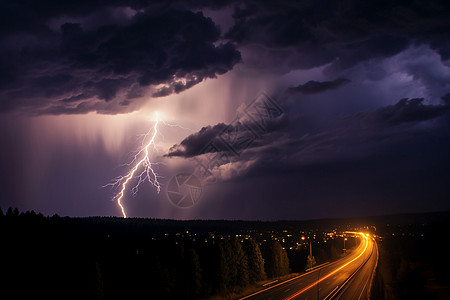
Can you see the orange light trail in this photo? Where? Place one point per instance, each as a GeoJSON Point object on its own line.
{"type": "Point", "coordinates": [335, 271]}
{"type": "Point", "coordinates": [148, 173]}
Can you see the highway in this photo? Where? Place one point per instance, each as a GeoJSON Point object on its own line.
{"type": "Point", "coordinates": [347, 278]}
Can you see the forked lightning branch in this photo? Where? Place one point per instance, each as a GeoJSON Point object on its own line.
{"type": "Point", "coordinates": [142, 168]}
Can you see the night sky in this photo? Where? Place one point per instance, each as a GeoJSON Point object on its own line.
{"type": "Point", "coordinates": [362, 91]}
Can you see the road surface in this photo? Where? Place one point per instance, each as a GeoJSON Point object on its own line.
{"type": "Point", "coordinates": [347, 278]}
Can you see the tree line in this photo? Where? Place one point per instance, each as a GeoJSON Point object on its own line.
{"type": "Point", "coordinates": [84, 258]}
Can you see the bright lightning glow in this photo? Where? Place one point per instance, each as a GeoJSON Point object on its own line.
{"type": "Point", "coordinates": [147, 174]}
{"type": "Point", "coordinates": [141, 161]}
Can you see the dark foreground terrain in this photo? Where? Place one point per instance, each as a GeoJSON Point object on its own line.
{"type": "Point", "coordinates": [414, 260]}
{"type": "Point", "coordinates": [114, 258]}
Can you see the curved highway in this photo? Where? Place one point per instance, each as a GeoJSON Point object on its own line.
{"type": "Point", "coordinates": [347, 278]}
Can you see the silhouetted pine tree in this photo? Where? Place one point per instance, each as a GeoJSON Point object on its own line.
{"type": "Point", "coordinates": [255, 261]}
{"type": "Point", "coordinates": [227, 267]}
{"type": "Point", "coordinates": [276, 260]}
{"type": "Point", "coordinates": [99, 286]}
{"type": "Point", "coordinates": [10, 212]}
{"type": "Point", "coordinates": [240, 258]}
{"type": "Point", "coordinates": [194, 274]}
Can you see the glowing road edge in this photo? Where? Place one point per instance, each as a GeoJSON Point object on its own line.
{"type": "Point", "coordinates": [335, 271]}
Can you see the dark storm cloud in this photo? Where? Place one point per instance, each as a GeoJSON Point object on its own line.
{"type": "Point", "coordinates": [359, 168]}
{"type": "Point", "coordinates": [31, 16]}
{"type": "Point", "coordinates": [238, 132]}
{"type": "Point", "coordinates": [407, 111]}
{"type": "Point", "coordinates": [313, 87]}
{"type": "Point", "coordinates": [343, 33]}
{"type": "Point", "coordinates": [366, 125]}
{"type": "Point", "coordinates": [364, 134]}
{"type": "Point", "coordinates": [356, 137]}
{"type": "Point", "coordinates": [99, 56]}
{"type": "Point", "coordinates": [193, 144]}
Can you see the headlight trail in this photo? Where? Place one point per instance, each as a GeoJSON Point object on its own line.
{"type": "Point", "coordinates": [366, 243]}
{"type": "Point", "coordinates": [148, 172]}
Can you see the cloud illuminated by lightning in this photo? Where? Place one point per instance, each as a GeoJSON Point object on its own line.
{"type": "Point", "coordinates": [141, 161]}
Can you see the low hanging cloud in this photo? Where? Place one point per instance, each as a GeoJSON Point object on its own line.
{"type": "Point", "coordinates": [80, 62]}
{"type": "Point", "coordinates": [193, 144]}
{"type": "Point", "coordinates": [354, 137]}
{"type": "Point", "coordinates": [314, 87]}
{"type": "Point", "coordinates": [241, 135]}
{"type": "Point", "coordinates": [407, 111]}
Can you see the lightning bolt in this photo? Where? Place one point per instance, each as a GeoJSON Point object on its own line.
{"type": "Point", "coordinates": [141, 160]}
